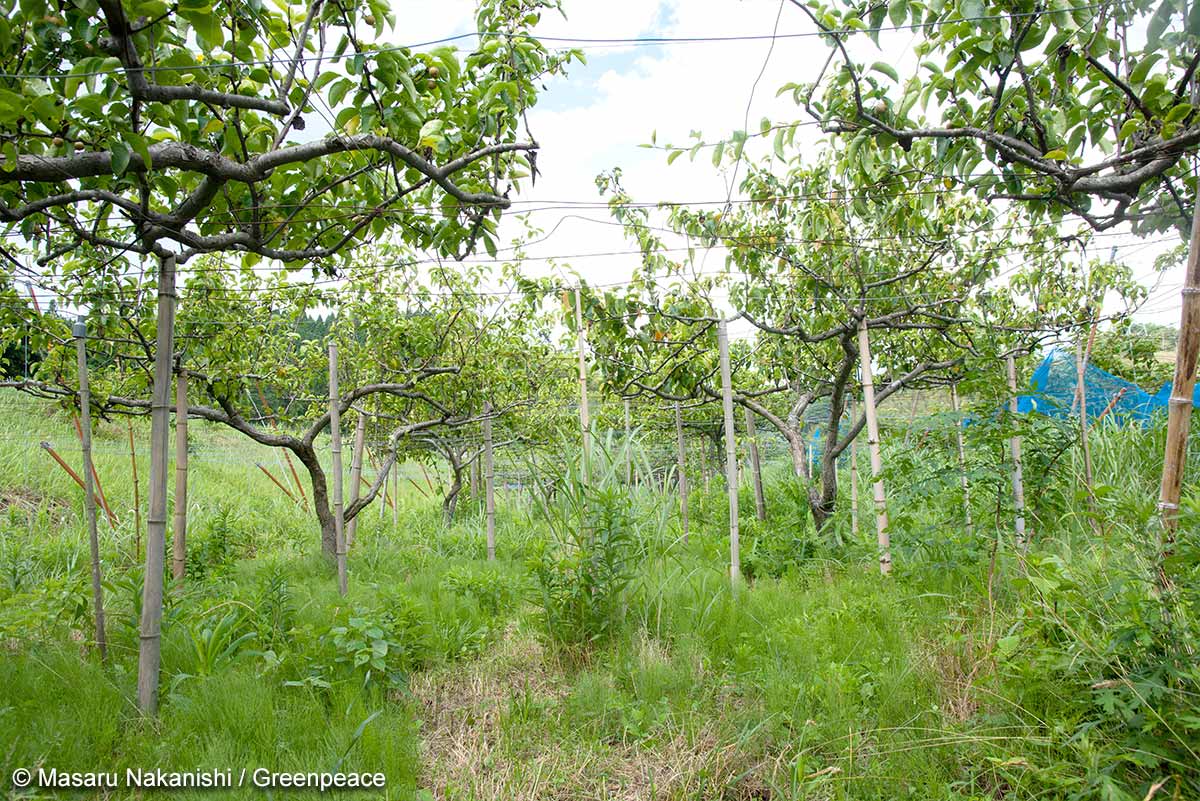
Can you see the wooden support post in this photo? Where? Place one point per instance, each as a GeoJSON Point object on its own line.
{"type": "Point", "coordinates": [962, 458]}
{"type": "Point", "coordinates": [179, 546]}
{"type": "Point", "coordinates": [853, 478]}
{"type": "Point", "coordinates": [1179, 412]}
{"type": "Point", "coordinates": [475, 478]}
{"type": "Point", "coordinates": [89, 499]}
{"type": "Point", "coordinates": [356, 460]}
{"type": "Point", "coordinates": [396, 493]}
{"type": "Point", "coordinates": [137, 500]}
{"type": "Point", "coordinates": [335, 434]}
{"type": "Point", "coordinates": [760, 501]}
{"type": "Point", "coordinates": [1018, 479]}
{"type": "Point", "coordinates": [681, 472]}
{"type": "Point", "coordinates": [150, 642]}
{"type": "Point", "coordinates": [584, 413]}
{"type": "Point", "coordinates": [731, 461]}
{"type": "Point", "coordinates": [489, 479]}
{"type": "Point", "coordinates": [881, 515]}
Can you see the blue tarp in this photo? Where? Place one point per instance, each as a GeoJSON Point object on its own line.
{"type": "Point", "coordinates": [1054, 381]}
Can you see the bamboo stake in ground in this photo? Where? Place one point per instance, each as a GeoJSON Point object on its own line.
{"type": "Point", "coordinates": [962, 458]}
{"type": "Point", "coordinates": [150, 643]}
{"type": "Point", "coordinates": [137, 501]}
{"type": "Point", "coordinates": [89, 499]}
{"type": "Point", "coordinates": [881, 515]}
{"type": "Point", "coordinates": [1018, 478]}
{"type": "Point", "coordinates": [489, 480]}
{"type": "Point", "coordinates": [335, 433]}
{"type": "Point", "coordinates": [356, 458]}
{"type": "Point", "coordinates": [584, 412]}
{"type": "Point", "coordinates": [1081, 360]}
{"type": "Point", "coordinates": [68, 469]}
{"type": "Point", "coordinates": [108, 512]}
{"type": "Point", "coordinates": [760, 502]}
{"type": "Point", "coordinates": [179, 547]}
{"type": "Point", "coordinates": [853, 479]}
{"type": "Point", "coordinates": [276, 481]}
{"type": "Point", "coordinates": [731, 480]}
{"type": "Point", "coordinates": [396, 494]}
{"type": "Point", "coordinates": [681, 472]}
{"type": "Point", "coordinates": [1179, 413]}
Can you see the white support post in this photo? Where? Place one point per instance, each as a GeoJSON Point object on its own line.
{"type": "Point", "coordinates": [731, 466]}
{"type": "Point", "coordinates": [881, 515]}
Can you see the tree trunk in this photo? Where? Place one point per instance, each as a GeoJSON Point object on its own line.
{"type": "Point", "coordinates": [450, 502]}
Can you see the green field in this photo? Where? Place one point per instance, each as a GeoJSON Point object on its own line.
{"type": "Point", "coordinates": [956, 678]}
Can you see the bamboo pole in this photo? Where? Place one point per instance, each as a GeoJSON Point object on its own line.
{"type": "Point", "coordinates": [89, 499]}
{"type": "Point", "coordinates": [1112, 403]}
{"type": "Point", "coordinates": [584, 413]}
{"type": "Point", "coordinates": [137, 500]}
{"type": "Point", "coordinates": [881, 515]}
{"type": "Point", "coordinates": [396, 493]}
{"type": "Point", "coordinates": [179, 546]}
{"type": "Point", "coordinates": [1179, 413]}
{"type": "Point", "coordinates": [108, 512]}
{"type": "Point", "coordinates": [335, 433]}
{"type": "Point", "coordinates": [962, 458]}
{"type": "Point", "coordinates": [489, 480]}
{"type": "Point", "coordinates": [69, 470]}
{"type": "Point", "coordinates": [276, 482]}
{"type": "Point", "coordinates": [731, 461]}
{"type": "Point", "coordinates": [1081, 360]}
{"type": "Point", "coordinates": [356, 459]}
{"type": "Point", "coordinates": [681, 480]}
{"type": "Point", "coordinates": [760, 501]}
{"type": "Point", "coordinates": [150, 635]}
{"type": "Point", "coordinates": [853, 478]}
{"type": "Point", "coordinates": [1018, 478]}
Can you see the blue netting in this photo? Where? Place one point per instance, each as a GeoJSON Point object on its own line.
{"type": "Point", "coordinates": [1116, 399]}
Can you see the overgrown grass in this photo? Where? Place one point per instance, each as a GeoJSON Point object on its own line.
{"type": "Point", "coordinates": [964, 676]}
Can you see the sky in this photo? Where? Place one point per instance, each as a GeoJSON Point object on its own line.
{"type": "Point", "coordinates": [601, 115]}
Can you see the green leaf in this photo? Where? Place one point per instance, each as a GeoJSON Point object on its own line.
{"type": "Point", "coordinates": [971, 10]}
{"type": "Point", "coordinates": [1158, 23]}
{"type": "Point", "coordinates": [138, 145]}
{"type": "Point", "coordinates": [1128, 129]}
{"type": "Point", "coordinates": [674, 154]}
{"type": "Point", "coordinates": [886, 69]}
{"type": "Point", "coordinates": [718, 151]}
{"type": "Point", "coordinates": [898, 12]}
{"type": "Point", "coordinates": [206, 24]}
{"type": "Point", "coordinates": [1180, 111]}
{"type": "Point", "coordinates": [120, 158]}
{"type": "Point", "coordinates": [1056, 155]}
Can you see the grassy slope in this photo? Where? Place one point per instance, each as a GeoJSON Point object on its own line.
{"type": "Point", "coordinates": [823, 682]}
